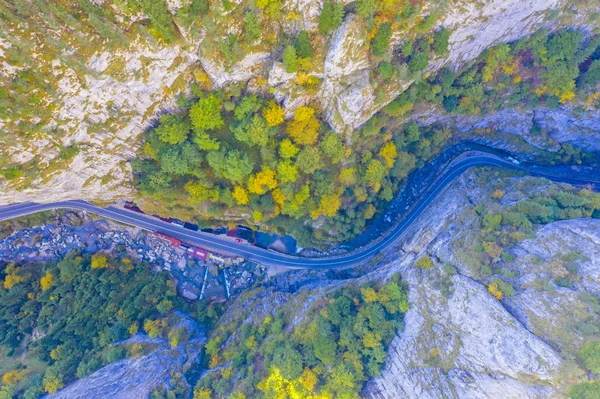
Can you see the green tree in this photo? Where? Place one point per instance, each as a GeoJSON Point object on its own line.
{"type": "Point", "coordinates": [206, 113]}
{"type": "Point", "coordinates": [440, 41]}
{"type": "Point", "coordinates": [158, 13]}
{"type": "Point", "coordinates": [592, 76]}
{"type": "Point", "coordinates": [289, 361]}
{"type": "Point", "coordinates": [249, 105]}
{"type": "Point", "coordinates": [381, 40]}
{"type": "Point", "coordinates": [324, 344]}
{"type": "Point", "coordinates": [287, 172]}
{"type": "Point", "coordinates": [585, 390]}
{"type": "Point", "coordinates": [251, 27]}
{"type": "Point", "coordinates": [287, 149]}
{"type": "Point", "coordinates": [302, 45]}
{"type": "Point", "coordinates": [386, 70]}
{"type": "Point", "coordinates": [375, 173]}
{"type": "Point", "coordinates": [333, 147]}
{"type": "Point", "coordinates": [418, 62]}
{"type": "Point", "coordinates": [237, 166]}
{"type": "Point", "coordinates": [365, 8]}
{"type": "Point", "coordinates": [173, 129]}
{"type": "Point", "coordinates": [309, 160]}
{"type": "Point", "coordinates": [590, 356]}
{"type": "Point", "coordinates": [331, 17]}
{"type": "Point", "coordinates": [164, 306]}
{"type": "Point", "coordinates": [253, 131]}
{"type": "Point", "coordinates": [290, 59]}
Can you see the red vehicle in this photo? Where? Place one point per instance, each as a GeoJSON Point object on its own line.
{"type": "Point", "coordinates": [174, 241]}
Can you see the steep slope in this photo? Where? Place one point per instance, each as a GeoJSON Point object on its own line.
{"type": "Point", "coordinates": [76, 109]}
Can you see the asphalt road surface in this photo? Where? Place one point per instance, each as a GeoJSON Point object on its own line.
{"type": "Point", "coordinates": [267, 257]}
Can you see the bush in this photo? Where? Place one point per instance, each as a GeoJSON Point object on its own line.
{"type": "Point", "coordinates": [381, 40]}
{"type": "Point", "coordinates": [590, 356]}
{"type": "Point", "coordinates": [386, 70]}
{"type": "Point", "coordinates": [585, 390]}
{"type": "Point", "coordinates": [418, 62]}
{"type": "Point", "coordinates": [440, 41]}
{"type": "Point", "coordinates": [158, 13]}
{"type": "Point", "coordinates": [424, 263]}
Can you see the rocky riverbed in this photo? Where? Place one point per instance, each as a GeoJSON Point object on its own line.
{"type": "Point", "coordinates": [69, 231]}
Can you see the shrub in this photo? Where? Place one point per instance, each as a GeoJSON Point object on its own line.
{"type": "Point", "coordinates": [381, 40]}
{"type": "Point", "coordinates": [386, 70]}
{"type": "Point", "coordinates": [424, 262]}
{"type": "Point", "coordinates": [590, 356]}
{"type": "Point", "coordinates": [440, 41]}
{"type": "Point", "coordinates": [585, 390]}
{"type": "Point", "coordinates": [418, 62]}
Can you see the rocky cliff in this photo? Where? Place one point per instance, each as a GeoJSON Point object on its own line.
{"type": "Point", "coordinates": [460, 341]}
{"type": "Point", "coordinates": [99, 99]}
{"type": "Point", "coordinates": [162, 366]}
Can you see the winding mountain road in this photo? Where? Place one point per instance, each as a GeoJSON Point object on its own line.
{"type": "Point", "coordinates": [267, 257]}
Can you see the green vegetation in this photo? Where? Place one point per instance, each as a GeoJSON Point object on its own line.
{"type": "Point", "coordinates": [290, 59]}
{"type": "Point", "coordinates": [302, 45]}
{"type": "Point", "coordinates": [590, 356]}
{"type": "Point", "coordinates": [81, 306]}
{"type": "Point", "coordinates": [585, 390]}
{"type": "Point", "coordinates": [541, 69]}
{"type": "Point", "coordinates": [381, 41]}
{"type": "Point", "coordinates": [340, 344]}
{"type": "Point", "coordinates": [502, 226]}
{"type": "Point", "coordinates": [235, 151]}
{"type": "Point", "coordinates": [160, 17]}
{"type": "Point", "coordinates": [331, 16]}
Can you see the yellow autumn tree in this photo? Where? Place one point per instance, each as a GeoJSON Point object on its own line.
{"type": "Point", "coordinates": [494, 289]}
{"type": "Point", "coordinates": [329, 205]}
{"type": "Point", "coordinates": [371, 340]}
{"type": "Point", "coordinates": [262, 181]}
{"type": "Point", "coordinates": [308, 379]}
{"type": "Point", "coordinates": [368, 294]}
{"type": "Point", "coordinates": [52, 382]}
{"type": "Point", "coordinates": [287, 149]}
{"type": "Point", "coordinates": [203, 393]}
{"type": "Point", "coordinates": [12, 278]}
{"type": "Point", "coordinates": [389, 153]}
{"type": "Point", "coordinates": [304, 128]}
{"type": "Point", "coordinates": [278, 197]}
{"type": "Point", "coordinates": [347, 177]}
{"type": "Point", "coordinates": [47, 281]}
{"type": "Point", "coordinates": [99, 261]}
{"type": "Point", "coordinates": [369, 212]}
{"type": "Point", "coordinates": [240, 195]}
{"type": "Point", "coordinates": [274, 114]}
{"type": "Point", "coordinates": [153, 328]}
{"type": "Point", "coordinates": [133, 328]}
{"type": "Point", "coordinates": [12, 377]}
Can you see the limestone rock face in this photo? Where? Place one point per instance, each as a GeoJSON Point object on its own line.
{"type": "Point", "coordinates": [136, 378]}
{"type": "Point", "coordinates": [251, 65]}
{"type": "Point", "coordinates": [459, 341]}
{"type": "Point", "coordinates": [477, 26]}
{"type": "Point", "coordinates": [474, 27]}
{"type": "Point", "coordinates": [560, 125]}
